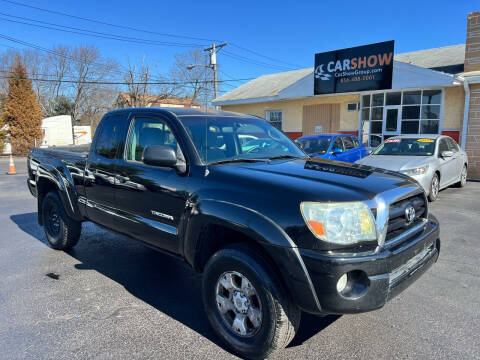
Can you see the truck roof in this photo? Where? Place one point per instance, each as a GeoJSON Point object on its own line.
{"type": "Point", "coordinates": [183, 112]}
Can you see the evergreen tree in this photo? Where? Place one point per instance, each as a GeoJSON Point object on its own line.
{"type": "Point", "coordinates": [22, 110]}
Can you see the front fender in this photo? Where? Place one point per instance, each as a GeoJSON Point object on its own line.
{"type": "Point", "coordinates": [265, 232]}
{"type": "Point", "coordinates": [57, 173]}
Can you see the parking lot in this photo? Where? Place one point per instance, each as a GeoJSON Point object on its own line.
{"type": "Point", "coordinates": [111, 297]}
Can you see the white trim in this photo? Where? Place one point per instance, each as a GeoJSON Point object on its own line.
{"type": "Point", "coordinates": [466, 108]}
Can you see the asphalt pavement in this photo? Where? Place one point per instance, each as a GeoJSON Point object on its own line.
{"type": "Point", "coordinates": [113, 298]}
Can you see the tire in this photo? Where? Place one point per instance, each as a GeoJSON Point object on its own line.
{"type": "Point", "coordinates": [463, 178]}
{"type": "Point", "coordinates": [62, 232]}
{"type": "Point", "coordinates": [434, 188]}
{"type": "Point", "coordinates": [272, 328]}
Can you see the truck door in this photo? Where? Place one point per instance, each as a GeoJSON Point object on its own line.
{"type": "Point", "coordinates": [100, 170]}
{"type": "Point", "coordinates": [150, 199]}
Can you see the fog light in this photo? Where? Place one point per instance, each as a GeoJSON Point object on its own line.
{"type": "Point", "coordinates": [342, 283]}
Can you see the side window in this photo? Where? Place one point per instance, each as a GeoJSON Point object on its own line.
{"type": "Point", "coordinates": [355, 142]}
{"type": "Point", "coordinates": [109, 137]}
{"type": "Point", "coordinates": [338, 144]}
{"type": "Point", "coordinates": [146, 132]}
{"type": "Point", "coordinates": [452, 145]}
{"type": "Point", "coordinates": [443, 146]}
{"type": "Point", "coordinates": [349, 145]}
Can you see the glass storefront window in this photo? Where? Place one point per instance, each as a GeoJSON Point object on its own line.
{"type": "Point", "coordinates": [365, 101]}
{"type": "Point", "coordinates": [412, 97]}
{"type": "Point", "coordinates": [377, 113]}
{"type": "Point", "coordinates": [432, 97]}
{"type": "Point", "coordinates": [376, 127]}
{"type": "Point", "coordinates": [410, 127]}
{"type": "Point", "coordinates": [377, 99]}
{"type": "Point", "coordinates": [419, 110]}
{"type": "Point", "coordinates": [411, 112]}
{"type": "Point", "coordinates": [366, 114]}
{"type": "Point", "coordinates": [394, 98]}
{"type": "Point", "coordinates": [429, 126]}
{"type": "Point", "coordinates": [431, 112]}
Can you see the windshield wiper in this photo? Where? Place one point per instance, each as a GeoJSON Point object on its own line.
{"type": "Point", "coordinates": [229, 161]}
{"type": "Point", "coordinates": [288, 157]}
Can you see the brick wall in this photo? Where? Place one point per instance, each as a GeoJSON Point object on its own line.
{"type": "Point", "coordinates": [472, 49]}
{"type": "Point", "coordinates": [472, 145]}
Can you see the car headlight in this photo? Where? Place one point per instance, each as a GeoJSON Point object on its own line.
{"type": "Point", "coordinates": [340, 223]}
{"type": "Point", "coordinates": [416, 171]}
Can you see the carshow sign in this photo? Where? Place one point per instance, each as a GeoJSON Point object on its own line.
{"type": "Point", "coordinates": [360, 68]}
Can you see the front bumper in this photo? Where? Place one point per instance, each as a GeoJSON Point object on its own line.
{"type": "Point", "coordinates": [373, 278]}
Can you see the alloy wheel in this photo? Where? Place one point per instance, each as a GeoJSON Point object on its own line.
{"type": "Point", "coordinates": [238, 304]}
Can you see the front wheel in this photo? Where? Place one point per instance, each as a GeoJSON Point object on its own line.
{"type": "Point", "coordinates": [62, 231]}
{"type": "Point", "coordinates": [246, 305]}
{"type": "Point", "coordinates": [434, 187]}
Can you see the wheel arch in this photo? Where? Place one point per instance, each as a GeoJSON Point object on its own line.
{"type": "Point", "coordinates": [215, 224]}
{"type": "Point", "coordinates": [49, 178]}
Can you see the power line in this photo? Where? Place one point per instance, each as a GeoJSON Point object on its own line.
{"type": "Point", "coordinates": [154, 33]}
{"type": "Point", "coordinates": [97, 34]}
{"type": "Point", "coordinates": [264, 56]}
{"type": "Point", "coordinates": [112, 82]}
{"type": "Point", "coordinates": [255, 62]}
{"type": "Point", "coordinates": [107, 23]}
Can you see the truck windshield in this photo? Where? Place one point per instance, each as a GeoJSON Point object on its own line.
{"type": "Point", "coordinates": [219, 139]}
{"type": "Point", "coordinates": [406, 147]}
{"type": "Point", "coordinates": [318, 145]}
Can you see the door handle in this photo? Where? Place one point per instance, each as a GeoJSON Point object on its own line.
{"type": "Point", "coordinates": [121, 178]}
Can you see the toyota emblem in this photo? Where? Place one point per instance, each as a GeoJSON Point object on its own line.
{"type": "Point", "coordinates": [409, 214]}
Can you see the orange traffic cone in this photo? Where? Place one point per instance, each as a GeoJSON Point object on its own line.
{"type": "Point", "coordinates": [11, 169]}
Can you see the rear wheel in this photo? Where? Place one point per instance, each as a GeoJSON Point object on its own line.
{"type": "Point", "coordinates": [463, 177]}
{"type": "Point", "coordinates": [62, 232]}
{"type": "Point", "coordinates": [434, 187]}
{"type": "Point", "coordinates": [246, 304]}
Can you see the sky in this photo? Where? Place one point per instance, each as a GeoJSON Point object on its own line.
{"type": "Point", "coordinates": [263, 36]}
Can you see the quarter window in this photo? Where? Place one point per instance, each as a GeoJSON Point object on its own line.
{"type": "Point", "coordinates": [275, 117]}
{"type": "Point", "coordinates": [109, 137]}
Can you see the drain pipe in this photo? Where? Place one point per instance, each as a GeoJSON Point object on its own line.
{"type": "Point", "coordinates": [465, 112]}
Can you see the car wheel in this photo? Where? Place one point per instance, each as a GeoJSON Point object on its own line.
{"type": "Point", "coordinates": [434, 188]}
{"type": "Point", "coordinates": [463, 177]}
{"type": "Point", "coordinates": [246, 304]}
{"type": "Point", "coordinates": [62, 231]}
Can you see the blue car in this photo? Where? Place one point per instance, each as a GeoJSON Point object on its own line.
{"type": "Point", "coordinates": [339, 147]}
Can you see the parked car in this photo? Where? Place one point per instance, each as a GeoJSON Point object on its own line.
{"type": "Point", "coordinates": [273, 231]}
{"type": "Point", "coordinates": [435, 161]}
{"type": "Point", "coordinates": [333, 146]}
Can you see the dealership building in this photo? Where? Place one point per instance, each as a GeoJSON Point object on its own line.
{"type": "Point", "coordinates": [430, 91]}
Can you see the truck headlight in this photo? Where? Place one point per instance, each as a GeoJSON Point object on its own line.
{"type": "Point", "coordinates": [340, 223]}
{"type": "Point", "coordinates": [416, 171]}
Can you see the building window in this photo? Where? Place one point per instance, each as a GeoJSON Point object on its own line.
{"type": "Point", "coordinates": [275, 117]}
{"type": "Point", "coordinates": [420, 113]}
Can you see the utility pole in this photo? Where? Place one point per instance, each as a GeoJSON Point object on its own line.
{"type": "Point", "coordinates": [213, 64]}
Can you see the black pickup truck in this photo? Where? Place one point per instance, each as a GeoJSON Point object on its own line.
{"type": "Point", "coordinates": [273, 231]}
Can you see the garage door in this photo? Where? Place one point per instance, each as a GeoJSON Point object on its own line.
{"type": "Point", "coordinates": [322, 118]}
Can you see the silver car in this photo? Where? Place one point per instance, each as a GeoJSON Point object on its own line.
{"type": "Point", "coordinates": [435, 161]}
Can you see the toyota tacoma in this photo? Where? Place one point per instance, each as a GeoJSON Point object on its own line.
{"type": "Point", "coordinates": [273, 231]}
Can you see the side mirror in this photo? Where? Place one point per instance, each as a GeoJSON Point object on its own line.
{"type": "Point", "coordinates": [159, 155]}
{"type": "Point", "coordinates": [447, 154]}
{"type": "Point", "coordinates": [336, 151]}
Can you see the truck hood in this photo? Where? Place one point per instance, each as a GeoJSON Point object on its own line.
{"type": "Point", "coordinates": [315, 180]}
{"type": "Point", "coordinates": [394, 162]}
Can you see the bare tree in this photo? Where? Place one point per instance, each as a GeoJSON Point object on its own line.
{"type": "Point", "coordinates": [88, 71]}
{"type": "Point", "coordinates": [137, 79]}
{"type": "Point", "coordinates": [193, 75]}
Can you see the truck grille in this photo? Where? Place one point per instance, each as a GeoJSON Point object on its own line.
{"type": "Point", "coordinates": [400, 222]}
